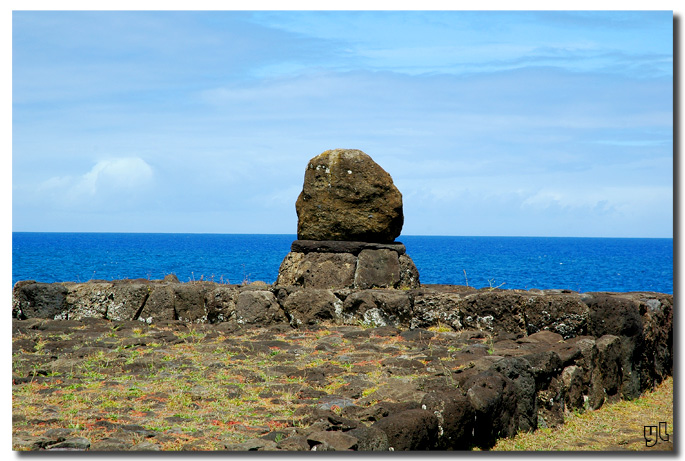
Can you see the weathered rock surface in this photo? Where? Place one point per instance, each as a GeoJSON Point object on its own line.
{"type": "Point", "coordinates": [410, 430]}
{"type": "Point", "coordinates": [377, 268]}
{"type": "Point", "coordinates": [378, 307]}
{"type": "Point", "coordinates": [38, 300]}
{"type": "Point", "coordinates": [335, 246]}
{"type": "Point", "coordinates": [344, 386]}
{"type": "Point", "coordinates": [505, 365]}
{"type": "Point", "coordinates": [364, 266]}
{"type": "Point", "coordinates": [317, 270]}
{"type": "Point", "coordinates": [641, 321]}
{"type": "Point", "coordinates": [455, 416]}
{"type": "Point", "coordinates": [348, 196]}
{"type": "Point", "coordinates": [493, 399]}
{"type": "Point", "coordinates": [257, 307]}
{"type": "Point", "coordinates": [312, 306]}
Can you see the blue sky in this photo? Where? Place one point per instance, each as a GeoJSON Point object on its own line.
{"type": "Point", "coordinates": [490, 123]}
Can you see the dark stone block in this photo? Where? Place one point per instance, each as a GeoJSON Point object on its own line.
{"type": "Point", "coordinates": [318, 270]}
{"type": "Point", "coordinates": [370, 439]}
{"type": "Point", "coordinates": [455, 416]}
{"type": "Point", "coordinates": [572, 379]}
{"type": "Point", "coordinates": [337, 246]}
{"type": "Point", "coordinates": [383, 308]}
{"type": "Point", "coordinates": [38, 300]}
{"type": "Point", "coordinates": [609, 363]}
{"type": "Point", "coordinates": [613, 315]}
{"type": "Point", "coordinates": [377, 269]}
{"type": "Point", "coordinates": [308, 307]}
{"type": "Point", "coordinates": [493, 397]}
{"type": "Point", "coordinates": [410, 430]}
{"type": "Point", "coordinates": [258, 308]}
{"type": "Point", "coordinates": [520, 372]}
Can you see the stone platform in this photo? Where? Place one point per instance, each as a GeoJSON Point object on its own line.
{"type": "Point", "coordinates": [335, 264]}
{"type": "Point", "coordinates": [204, 366]}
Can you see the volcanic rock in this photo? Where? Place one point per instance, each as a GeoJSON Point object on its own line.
{"type": "Point", "coordinates": [308, 307]}
{"type": "Point", "coordinates": [38, 300]}
{"type": "Point", "coordinates": [455, 416]}
{"type": "Point", "coordinates": [348, 196]}
{"type": "Point", "coordinates": [336, 246]}
{"type": "Point", "coordinates": [420, 388]}
{"type": "Point", "coordinates": [410, 430]}
{"type": "Point", "coordinates": [379, 268]}
{"type": "Point", "coordinates": [317, 270]}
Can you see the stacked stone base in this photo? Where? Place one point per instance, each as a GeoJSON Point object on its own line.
{"type": "Point", "coordinates": [342, 264]}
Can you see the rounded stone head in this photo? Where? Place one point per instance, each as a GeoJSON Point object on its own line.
{"type": "Point", "coordinates": [348, 196]}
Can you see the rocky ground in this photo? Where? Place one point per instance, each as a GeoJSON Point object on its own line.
{"type": "Point", "coordinates": [103, 385]}
{"type": "Point", "coordinates": [162, 365]}
{"type": "Point", "coordinates": [96, 384]}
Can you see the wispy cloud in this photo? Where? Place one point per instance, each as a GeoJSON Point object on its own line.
{"type": "Point", "coordinates": [514, 119]}
{"type": "Point", "coordinates": [113, 183]}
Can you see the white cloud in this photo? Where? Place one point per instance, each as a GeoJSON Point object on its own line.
{"type": "Point", "coordinates": [112, 180]}
{"type": "Point", "coordinates": [124, 173]}
{"type": "Point", "coordinates": [542, 200]}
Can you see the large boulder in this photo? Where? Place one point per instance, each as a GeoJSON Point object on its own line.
{"type": "Point", "coordinates": [572, 379]}
{"type": "Point", "coordinates": [370, 439]}
{"type": "Point", "coordinates": [520, 372]}
{"type": "Point", "coordinates": [657, 319]}
{"type": "Point", "coordinates": [159, 305]}
{"type": "Point", "coordinates": [189, 302]}
{"type": "Point", "coordinates": [409, 274]}
{"type": "Point", "coordinates": [495, 311]}
{"type": "Point", "coordinates": [562, 313]}
{"type": "Point", "coordinates": [348, 196]}
{"type": "Point", "coordinates": [221, 303]}
{"type": "Point", "coordinates": [431, 308]}
{"type": "Point", "coordinates": [609, 364]}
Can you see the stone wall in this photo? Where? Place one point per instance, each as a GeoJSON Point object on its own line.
{"type": "Point", "coordinates": [519, 359]}
{"type": "Point", "coordinates": [643, 321]}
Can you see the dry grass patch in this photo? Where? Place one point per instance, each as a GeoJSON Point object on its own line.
{"type": "Point", "coordinates": [614, 427]}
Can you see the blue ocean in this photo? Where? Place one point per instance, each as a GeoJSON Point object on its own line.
{"type": "Point", "coordinates": [578, 264]}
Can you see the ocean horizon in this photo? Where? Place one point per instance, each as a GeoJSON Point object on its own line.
{"type": "Point", "coordinates": [574, 263]}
